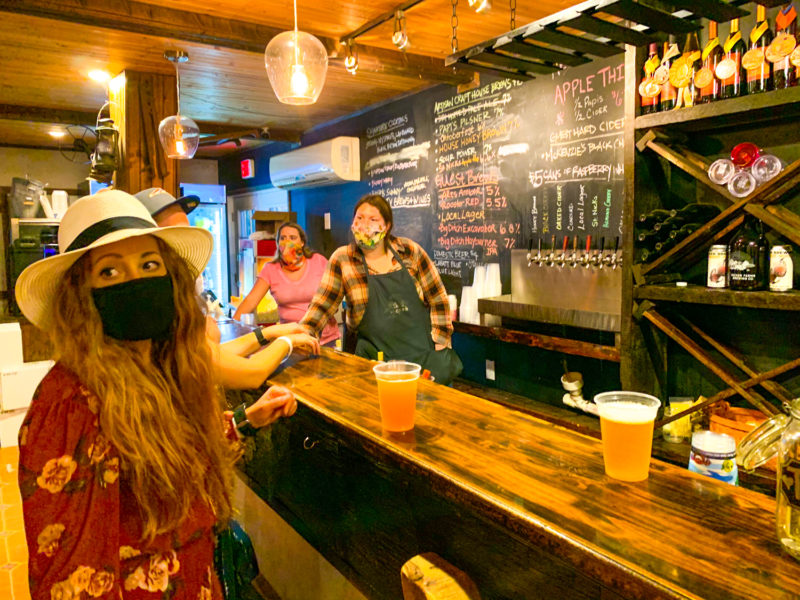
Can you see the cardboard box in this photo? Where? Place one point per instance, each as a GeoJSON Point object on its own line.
{"type": "Point", "coordinates": [10, 344]}
{"type": "Point", "coordinates": [18, 383]}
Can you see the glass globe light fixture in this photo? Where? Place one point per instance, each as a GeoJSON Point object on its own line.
{"type": "Point", "coordinates": [296, 64]}
{"type": "Point", "coordinates": [179, 135]}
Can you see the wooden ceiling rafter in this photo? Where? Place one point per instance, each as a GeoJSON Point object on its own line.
{"type": "Point", "coordinates": [160, 21]}
{"type": "Point", "coordinates": [38, 114]}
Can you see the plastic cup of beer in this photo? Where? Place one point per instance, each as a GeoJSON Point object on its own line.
{"type": "Point", "coordinates": [397, 393]}
{"type": "Point", "coordinates": [626, 426]}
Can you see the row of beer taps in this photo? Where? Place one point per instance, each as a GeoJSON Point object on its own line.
{"type": "Point", "coordinates": [590, 257]}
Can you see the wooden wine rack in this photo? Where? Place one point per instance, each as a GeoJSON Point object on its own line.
{"type": "Point", "coordinates": [658, 309]}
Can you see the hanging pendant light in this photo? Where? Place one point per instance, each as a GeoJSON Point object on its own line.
{"type": "Point", "coordinates": [296, 63]}
{"type": "Point", "coordinates": [179, 135]}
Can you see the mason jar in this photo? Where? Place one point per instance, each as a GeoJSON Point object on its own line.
{"type": "Point", "coordinates": [779, 437]}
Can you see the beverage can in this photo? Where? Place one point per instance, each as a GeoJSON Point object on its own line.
{"type": "Point", "coordinates": [717, 265]}
{"type": "Point", "coordinates": [781, 269]}
{"type": "Point", "coordinates": [714, 455]}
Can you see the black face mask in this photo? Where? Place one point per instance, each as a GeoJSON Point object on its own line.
{"type": "Point", "coordinates": [141, 309]}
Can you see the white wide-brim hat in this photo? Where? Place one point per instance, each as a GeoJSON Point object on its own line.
{"type": "Point", "coordinates": [93, 221]}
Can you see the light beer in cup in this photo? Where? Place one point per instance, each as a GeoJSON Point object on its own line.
{"type": "Point", "coordinates": [626, 426]}
{"type": "Point", "coordinates": [397, 394]}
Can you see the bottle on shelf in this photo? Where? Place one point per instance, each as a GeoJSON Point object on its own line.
{"type": "Point", "coordinates": [684, 231]}
{"type": "Point", "coordinates": [670, 223]}
{"type": "Point", "coordinates": [649, 90]}
{"type": "Point", "coordinates": [649, 239]}
{"type": "Point", "coordinates": [697, 211]}
{"type": "Point", "coordinates": [784, 72]}
{"type": "Point", "coordinates": [683, 69]}
{"type": "Point", "coordinates": [754, 61]}
{"type": "Point", "coordinates": [647, 220]}
{"type": "Point", "coordinates": [704, 79]}
{"type": "Point", "coordinates": [729, 69]}
{"type": "Point", "coordinates": [662, 247]}
{"type": "Point", "coordinates": [748, 257]}
{"type": "Point", "coordinates": [669, 95]}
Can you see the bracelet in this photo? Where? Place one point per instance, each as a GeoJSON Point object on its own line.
{"type": "Point", "coordinates": [240, 422]}
{"type": "Point", "coordinates": [288, 341]}
{"type": "Point", "coordinates": [260, 337]}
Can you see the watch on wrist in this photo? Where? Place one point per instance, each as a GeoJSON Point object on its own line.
{"type": "Point", "coordinates": [240, 422]}
{"type": "Point", "coordinates": [260, 337]}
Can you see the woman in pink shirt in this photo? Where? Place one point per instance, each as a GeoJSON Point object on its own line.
{"type": "Point", "coordinates": [293, 278]}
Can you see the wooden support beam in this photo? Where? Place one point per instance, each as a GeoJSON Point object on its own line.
{"type": "Point", "coordinates": [708, 361]}
{"type": "Point", "coordinates": [36, 114]}
{"type": "Point", "coordinates": [139, 101]}
{"type": "Point", "coordinates": [775, 388]}
{"type": "Point", "coordinates": [161, 21]}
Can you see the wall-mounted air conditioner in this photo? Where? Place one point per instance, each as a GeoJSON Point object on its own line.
{"type": "Point", "coordinates": [330, 162]}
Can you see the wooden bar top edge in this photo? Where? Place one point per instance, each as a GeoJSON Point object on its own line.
{"type": "Point", "coordinates": [610, 568]}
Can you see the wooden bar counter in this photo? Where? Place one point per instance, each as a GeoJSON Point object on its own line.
{"type": "Point", "coordinates": [520, 505]}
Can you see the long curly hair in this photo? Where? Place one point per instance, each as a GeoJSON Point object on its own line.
{"type": "Point", "coordinates": [163, 415]}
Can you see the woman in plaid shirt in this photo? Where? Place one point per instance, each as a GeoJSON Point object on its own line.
{"type": "Point", "coordinates": [396, 301]}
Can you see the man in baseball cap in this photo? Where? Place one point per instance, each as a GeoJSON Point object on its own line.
{"type": "Point", "coordinates": [165, 208]}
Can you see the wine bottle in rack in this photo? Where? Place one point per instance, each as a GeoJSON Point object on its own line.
{"type": "Point", "coordinates": [669, 95]}
{"type": "Point", "coordinates": [729, 69]}
{"type": "Point", "coordinates": [647, 220]}
{"type": "Point", "coordinates": [779, 52]}
{"type": "Point", "coordinates": [684, 231]}
{"type": "Point", "coordinates": [705, 79]}
{"type": "Point", "coordinates": [757, 68]}
{"type": "Point", "coordinates": [649, 90]}
{"type": "Point", "coordinates": [697, 211]}
{"type": "Point", "coordinates": [649, 239]}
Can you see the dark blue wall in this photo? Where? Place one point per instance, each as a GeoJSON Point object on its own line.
{"type": "Point", "coordinates": [229, 169]}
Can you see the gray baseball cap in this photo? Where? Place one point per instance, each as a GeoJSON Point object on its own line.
{"type": "Point", "coordinates": [157, 199]}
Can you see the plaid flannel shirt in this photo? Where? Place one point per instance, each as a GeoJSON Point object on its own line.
{"type": "Point", "coordinates": [346, 276]}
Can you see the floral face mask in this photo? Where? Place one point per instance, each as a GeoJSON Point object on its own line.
{"type": "Point", "coordinates": [367, 237]}
{"type": "Point", "coordinates": [291, 255]}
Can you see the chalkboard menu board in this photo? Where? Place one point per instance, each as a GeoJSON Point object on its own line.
{"type": "Point", "coordinates": [519, 162]}
{"type": "Point", "coordinates": [396, 163]}
{"type": "Point", "coordinates": [474, 175]}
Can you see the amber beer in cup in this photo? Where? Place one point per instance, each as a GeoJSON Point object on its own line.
{"type": "Point", "coordinates": [397, 393]}
{"type": "Point", "coordinates": [626, 425]}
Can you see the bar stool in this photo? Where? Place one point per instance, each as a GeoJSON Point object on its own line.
{"type": "Point", "coordinates": [430, 577]}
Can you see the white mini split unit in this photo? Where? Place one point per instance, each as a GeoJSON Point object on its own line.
{"type": "Point", "coordinates": [327, 163]}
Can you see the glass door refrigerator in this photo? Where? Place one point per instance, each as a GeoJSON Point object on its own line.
{"type": "Point", "coordinates": [211, 215]}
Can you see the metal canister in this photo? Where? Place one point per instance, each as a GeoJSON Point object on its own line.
{"type": "Point", "coordinates": [717, 266]}
{"type": "Point", "coordinates": [781, 269]}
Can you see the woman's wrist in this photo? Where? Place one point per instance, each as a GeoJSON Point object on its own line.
{"type": "Point", "coordinates": [288, 341]}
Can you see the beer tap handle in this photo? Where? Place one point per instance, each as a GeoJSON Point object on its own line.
{"type": "Point", "coordinates": [574, 258]}
{"type": "Point", "coordinates": [530, 250]}
{"type": "Point", "coordinates": [585, 258]}
{"type": "Point", "coordinates": [617, 259]}
{"type": "Point", "coordinates": [597, 258]}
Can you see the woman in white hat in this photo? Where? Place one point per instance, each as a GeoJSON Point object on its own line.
{"type": "Point", "coordinates": [124, 462]}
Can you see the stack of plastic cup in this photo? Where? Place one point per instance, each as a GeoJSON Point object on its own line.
{"type": "Point", "coordinates": [745, 170]}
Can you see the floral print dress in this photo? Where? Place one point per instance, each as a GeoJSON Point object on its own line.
{"type": "Point", "coordinates": [82, 525]}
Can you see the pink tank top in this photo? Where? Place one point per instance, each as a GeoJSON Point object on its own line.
{"type": "Point", "coordinates": [293, 297]}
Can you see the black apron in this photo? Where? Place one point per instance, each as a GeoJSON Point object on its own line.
{"type": "Point", "coordinates": [397, 323]}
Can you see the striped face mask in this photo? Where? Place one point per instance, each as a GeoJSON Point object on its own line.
{"type": "Point", "coordinates": [366, 237]}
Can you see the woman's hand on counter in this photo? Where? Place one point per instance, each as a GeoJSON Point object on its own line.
{"type": "Point", "coordinates": [275, 403]}
{"type": "Point", "coordinates": [307, 344]}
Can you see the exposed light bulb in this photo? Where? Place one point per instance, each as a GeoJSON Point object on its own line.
{"type": "Point", "coordinates": [299, 82]}
{"type": "Point", "coordinates": [99, 75]}
{"type": "Point", "coordinates": [480, 5]}
{"type": "Point", "coordinates": [351, 64]}
{"type": "Point", "coordinates": [400, 39]}
{"type": "Point", "coordinates": [56, 133]}
{"type": "Point", "coordinates": [180, 147]}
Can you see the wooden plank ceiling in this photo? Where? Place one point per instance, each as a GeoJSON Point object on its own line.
{"type": "Point", "coordinates": [48, 46]}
